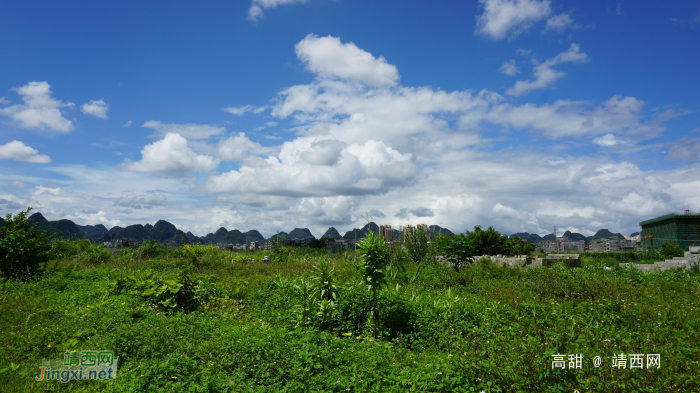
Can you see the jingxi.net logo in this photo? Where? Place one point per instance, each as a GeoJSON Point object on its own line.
{"type": "Point", "coordinates": [85, 365]}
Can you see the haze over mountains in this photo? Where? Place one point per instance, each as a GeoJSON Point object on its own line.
{"type": "Point", "coordinates": [163, 231]}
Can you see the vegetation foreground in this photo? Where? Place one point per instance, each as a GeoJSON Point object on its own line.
{"type": "Point", "coordinates": [191, 320]}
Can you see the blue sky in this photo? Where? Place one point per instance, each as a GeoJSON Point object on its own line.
{"type": "Point", "coordinates": [275, 114]}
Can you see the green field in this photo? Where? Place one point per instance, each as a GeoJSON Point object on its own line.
{"type": "Point", "coordinates": [179, 323]}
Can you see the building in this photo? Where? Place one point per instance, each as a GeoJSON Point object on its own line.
{"type": "Point", "coordinates": [682, 229]}
{"type": "Point", "coordinates": [386, 233]}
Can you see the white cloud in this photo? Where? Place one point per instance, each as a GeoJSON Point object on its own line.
{"type": "Point", "coordinates": [502, 16]}
{"type": "Point", "coordinates": [255, 11]}
{"type": "Point", "coordinates": [187, 130]}
{"type": "Point", "coordinates": [128, 124]}
{"type": "Point", "coordinates": [545, 75]}
{"type": "Point", "coordinates": [19, 184]}
{"type": "Point", "coordinates": [559, 23]}
{"type": "Point", "coordinates": [171, 156]}
{"type": "Point", "coordinates": [329, 58]}
{"type": "Point", "coordinates": [39, 110]}
{"type": "Point", "coordinates": [139, 201]}
{"type": "Point", "coordinates": [18, 151]}
{"type": "Point", "coordinates": [239, 111]}
{"type": "Point", "coordinates": [685, 149]}
{"type": "Point", "coordinates": [509, 68]}
{"type": "Point", "coordinates": [271, 123]}
{"type": "Point", "coordinates": [47, 190]}
{"type": "Point", "coordinates": [304, 168]}
{"type": "Point", "coordinates": [97, 108]}
{"type": "Point", "coordinates": [4, 101]}
{"type": "Point", "coordinates": [238, 147]}
{"type": "Point", "coordinates": [606, 140]}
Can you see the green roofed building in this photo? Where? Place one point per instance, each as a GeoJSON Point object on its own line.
{"type": "Point", "coordinates": [682, 229]}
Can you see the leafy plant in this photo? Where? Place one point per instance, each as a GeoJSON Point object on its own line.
{"type": "Point", "coordinates": [372, 268]}
{"type": "Point", "coordinates": [670, 250]}
{"type": "Point", "coordinates": [22, 246]}
{"type": "Point", "coordinates": [323, 281]}
{"type": "Point", "coordinates": [459, 249]}
{"type": "Point", "coordinates": [415, 241]}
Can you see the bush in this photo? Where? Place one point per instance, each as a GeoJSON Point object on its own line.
{"type": "Point", "coordinates": [670, 250]}
{"type": "Point", "coordinates": [151, 249]}
{"type": "Point", "coordinates": [22, 246]}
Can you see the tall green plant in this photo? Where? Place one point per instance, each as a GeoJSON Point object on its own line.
{"type": "Point", "coordinates": [22, 246]}
{"type": "Point", "coordinates": [373, 269]}
{"type": "Point", "coordinates": [415, 241]}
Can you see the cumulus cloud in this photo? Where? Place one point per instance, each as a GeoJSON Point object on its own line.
{"type": "Point", "coordinates": [128, 124]}
{"type": "Point", "coordinates": [509, 68]}
{"type": "Point", "coordinates": [4, 101]}
{"type": "Point", "coordinates": [402, 213]}
{"type": "Point", "coordinates": [39, 110]}
{"type": "Point", "coordinates": [18, 151]}
{"type": "Point", "coordinates": [255, 11]}
{"type": "Point", "coordinates": [97, 108]}
{"type": "Point", "coordinates": [171, 156]}
{"type": "Point", "coordinates": [503, 16]}
{"type": "Point", "coordinates": [545, 75]}
{"type": "Point", "coordinates": [241, 110]}
{"type": "Point", "coordinates": [685, 149]}
{"type": "Point", "coordinates": [187, 130]}
{"type": "Point", "coordinates": [141, 201]}
{"type": "Point", "coordinates": [238, 147]}
{"type": "Point", "coordinates": [377, 214]}
{"type": "Point", "coordinates": [329, 58]}
{"type": "Point", "coordinates": [423, 212]}
{"type": "Point", "coordinates": [303, 169]}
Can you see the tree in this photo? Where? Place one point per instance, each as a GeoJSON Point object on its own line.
{"type": "Point", "coordinates": [375, 258]}
{"type": "Point", "coordinates": [516, 246]}
{"type": "Point", "coordinates": [22, 246]}
{"type": "Point", "coordinates": [670, 250]}
{"type": "Point", "coordinates": [459, 248]}
{"type": "Point", "coordinates": [488, 242]}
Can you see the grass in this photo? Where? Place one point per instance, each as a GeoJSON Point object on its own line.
{"type": "Point", "coordinates": [484, 328]}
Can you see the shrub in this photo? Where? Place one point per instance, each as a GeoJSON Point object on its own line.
{"type": "Point", "coordinates": [415, 240]}
{"type": "Point", "coordinates": [670, 250]}
{"type": "Point", "coordinates": [22, 246]}
{"type": "Point", "coordinates": [151, 249]}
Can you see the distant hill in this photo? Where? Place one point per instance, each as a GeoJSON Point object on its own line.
{"type": "Point", "coordinates": [604, 234]}
{"type": "Point", "coordinates": [163, 231]}
{"type": "Point", "coordinates": [94, 232]}
{"type": "Point", "coordinates": [532, 238]}
{"type": "Point", "coordinates": [361, 233]}
{"type": "Point", "coordinates": [575, 236]}
{"type": "Point", "coordinates": [436, 230]}
{"type": "Point", "coordinates": [254, 236]}
{"type": "Point", "coordinates": [135, 233]}
{"type": "Point", "coordinates": [36, 218]}
{"type": "Point", "coordinates": [61, 229]}
{"type": "Point", "coordinates": [332, 233]}
{"type": "Point", "coordinates": [300, 233]}
{"type": "Point", "coordinates": [634, 234]}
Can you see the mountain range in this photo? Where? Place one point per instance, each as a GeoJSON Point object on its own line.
{"type": "Point", "coordinates": [163, 231]}
{"type": "Point", "coordinates": [535, 238]}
